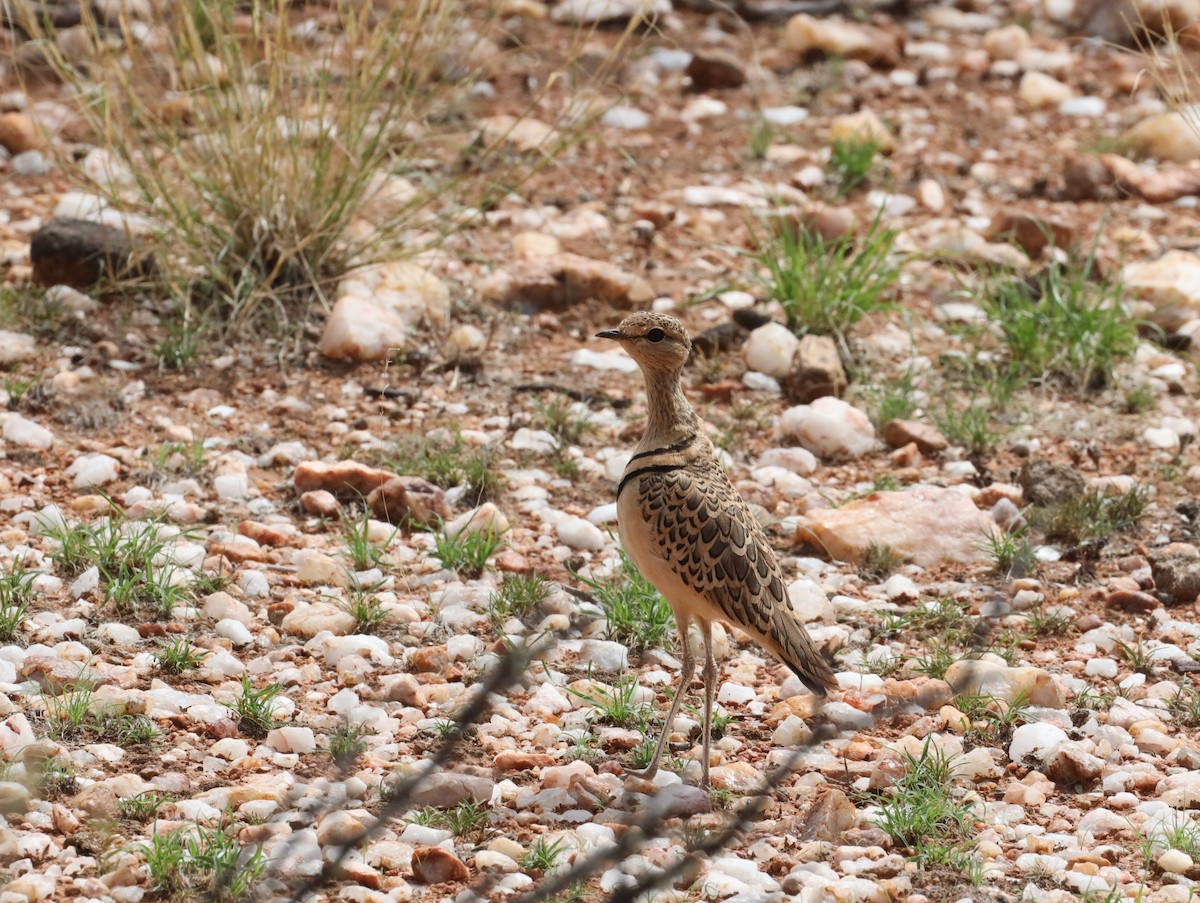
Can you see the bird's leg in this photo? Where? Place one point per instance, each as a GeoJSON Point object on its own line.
{"type": "Point", "coordinates": [686, 672]}
{"type": "Point", "coordinates": [710, 687]}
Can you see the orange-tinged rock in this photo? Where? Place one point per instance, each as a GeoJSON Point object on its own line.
{"type": "Point", "coordinates": [926, 525]}
{"type": "Point", "coordinates": [262, 534]}
{"type": "Point", "coordinates": [433, 865]}
{"type": "Point", "coordinates": [341, 477]}
{"type": "Point", "coordinates": [18, 133]}
{"type": "Point", "coordinates": [513, 760]}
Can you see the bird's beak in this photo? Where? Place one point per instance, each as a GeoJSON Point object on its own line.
{"type": "Point", "coordinates": [610, 334]}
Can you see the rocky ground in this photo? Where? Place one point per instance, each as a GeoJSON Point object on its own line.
{"type": "Point", "coordinates": [243, 600]}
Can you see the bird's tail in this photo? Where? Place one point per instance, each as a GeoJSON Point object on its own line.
{"type": "Point", "coordinates": [795, 648]}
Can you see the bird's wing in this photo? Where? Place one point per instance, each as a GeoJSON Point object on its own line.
{"type": "Point", "coordinates": [716, 547]}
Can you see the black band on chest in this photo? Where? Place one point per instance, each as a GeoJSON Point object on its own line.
{"type": "Point", "coordinates": [649, 468]}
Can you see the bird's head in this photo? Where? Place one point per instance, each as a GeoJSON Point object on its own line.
{"type": "Point", "coordinates": [657, 342]}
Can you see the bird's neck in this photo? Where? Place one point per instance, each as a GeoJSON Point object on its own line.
{"type": "Point", "coordinates": [671, 416]}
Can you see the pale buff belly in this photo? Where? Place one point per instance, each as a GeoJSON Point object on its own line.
{"type": "Point", "coordinates": [646, 554]}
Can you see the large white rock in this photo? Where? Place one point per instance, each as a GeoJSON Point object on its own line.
{"type": "Point", "coordinates": [926, 525]}
{"type": "Point", "coordinates": [968, 677]}
{"type": "Point", "coordinates": [577, 533]}
{"type": "Point", "coordinates": [1169, 137]}
{"type": "Point", "coordinates": [605, 655]}
{"type": "Point", "coordinates": [590, 12]}
{"type": "Point", "coordinates": [1041, 90]}
{"type": "Point", "coordinates": [93, 470]}
{"type": "Point", "coordinates": [15, 347]}
{"type": "Point", "coordinates": [1168, 288]}
{"type": "Point", "coordinates": [1034, 740]}
{"type": "Point", "coordinates": [829, 428]}
{"type": "Point", "coordinates": [378, 306]}
{"type": "Point", "coordinates": [770, 349]}
{"type": "Point", "coordinates": [21, 431]}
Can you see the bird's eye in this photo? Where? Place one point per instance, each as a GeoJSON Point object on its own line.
{"type": "Point", "coordinates": [656, 335]}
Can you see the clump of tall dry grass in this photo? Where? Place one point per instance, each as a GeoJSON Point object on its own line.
{"type": "Point", "coordinates": [272, 153]}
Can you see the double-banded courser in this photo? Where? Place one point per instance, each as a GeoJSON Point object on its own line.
{"type": "Point", "coordinates": [690, 533]}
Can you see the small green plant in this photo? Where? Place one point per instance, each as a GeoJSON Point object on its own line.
{"type": "Point", "coordinates": [185, 458]}
{"type": "Point", "coordinates": [1063, 326]}
{"type": "Point", "coordinates": [203, 862]}
{"type": "Point", "coordinates": [70, 713]}
{"type": "Point", "coordinates": [969, 427]}
{"type": "Point", "coordinates": [444, 728]}
{"type": "Point", "coordinates": [19, 388]}
{"type": "Point", "coordinates": [543, 855]}
{"type": "Point", "coordinates": [1139, 657]}
{"type": "Point", "coordinates": [617, 705]}
{"type": "Point", "coordinates": [254, 708]}
{"type": "Point", "coordinates": [721, 720]}
{"type": "Point", "coordinates": [922, 812]}
{"type": "Point", "coordinates": [936, 658]}
{"type": "Point", "coordinates": [1046, 623]}
{"type": "Point", "coordinates": [1182, 832]}
{"type": "Point", "coordinates": [851, 160]}
{"type": "Point", "coordinates": [462, 820]}
{"type": "Point", "coordinates": [993, 720]}
{"type": "Point", "coordinates": [1138, 398]}
{"type": "Point", "coordinates": [179, 656]}
{"type": "Point", "coordinates": [347, 743]}
{"type": "Point", "coordinates": [1012, 551]}
{"type": "Point", "coordinates": [642, 754]}
{"type": "Point", "coordinates": [1092, 516]}
{"type": "Point", "coordinates": [140, 807]}
{"type": "Point", "coordinates": [636, 613]}
{"type": "Point", "coordinates": [467, 551]}
{"type": "Point", "coordinates": [56, 777]}
{"type": "Point", "coordinates": [584, 749]}
{"type": "Point", "coordinates": [828, 286]}
{"type": "Point", "coordinates": [880, 562]}
{"type": "Point", "coordinates": [885, 664]}
{"type": "Point", "coordinates": [568, 422]}
{"type": "Point", "coordinates": [943, 616]}
{"type": "Point", "coordinates": [761, 136]}
{"type": "Point", "coordinates": [1184, 705]}
{"type": "Point", "coordinates": [363, 551]}
{"type": "Point", "coordinates": [16, 592]}
{"type": "Point", "coordinates": [892, 399]}
{"type": "Point", "coordinates": [178, 347]}
{"type": "Point", "coordinates": [135, 730]}
{"type": "Point", "coordinates": [449, 464]}
{"type": "Point", "coordinates": [518, 596]}
{"type": "Point", "coordinates": [150, 588]}
{"type": "Point", "coordinates": [366, 609]}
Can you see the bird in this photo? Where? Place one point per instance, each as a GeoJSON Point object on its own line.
{"type": "Point", "coordinates": [690, 533]}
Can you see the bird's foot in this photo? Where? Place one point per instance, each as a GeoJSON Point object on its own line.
{"type": "Point", "coordinates": [645, 774]}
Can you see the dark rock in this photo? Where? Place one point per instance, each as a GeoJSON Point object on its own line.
{"type": "Point", "coordinates": [1047, 483]}
{"type": "Point", "coordinates": [817, 371]}
{"type": "Point", "coordinates": [80, 253]}
{"type": "Point", "coordinates": [750, 319]}
{"type": "Point", "coordinates": [1030, 232]}
{"type": "Point", "coordinates": [445, 790]}
{"type": "Point", "coordinates": [59, 15]}
{"type": "Point", "coordinates": [1131, 601]}
{"type": "Point", "coordinates": [408, 501]}
{"type": "Point", "coordinates": [714, 71]}
{"type": "Point", "coordinates": [1086, 178]}
{"type": "Point", "coordinates": [1176, 572]}
{"type": "Point", "coordinates": [717, 339]}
